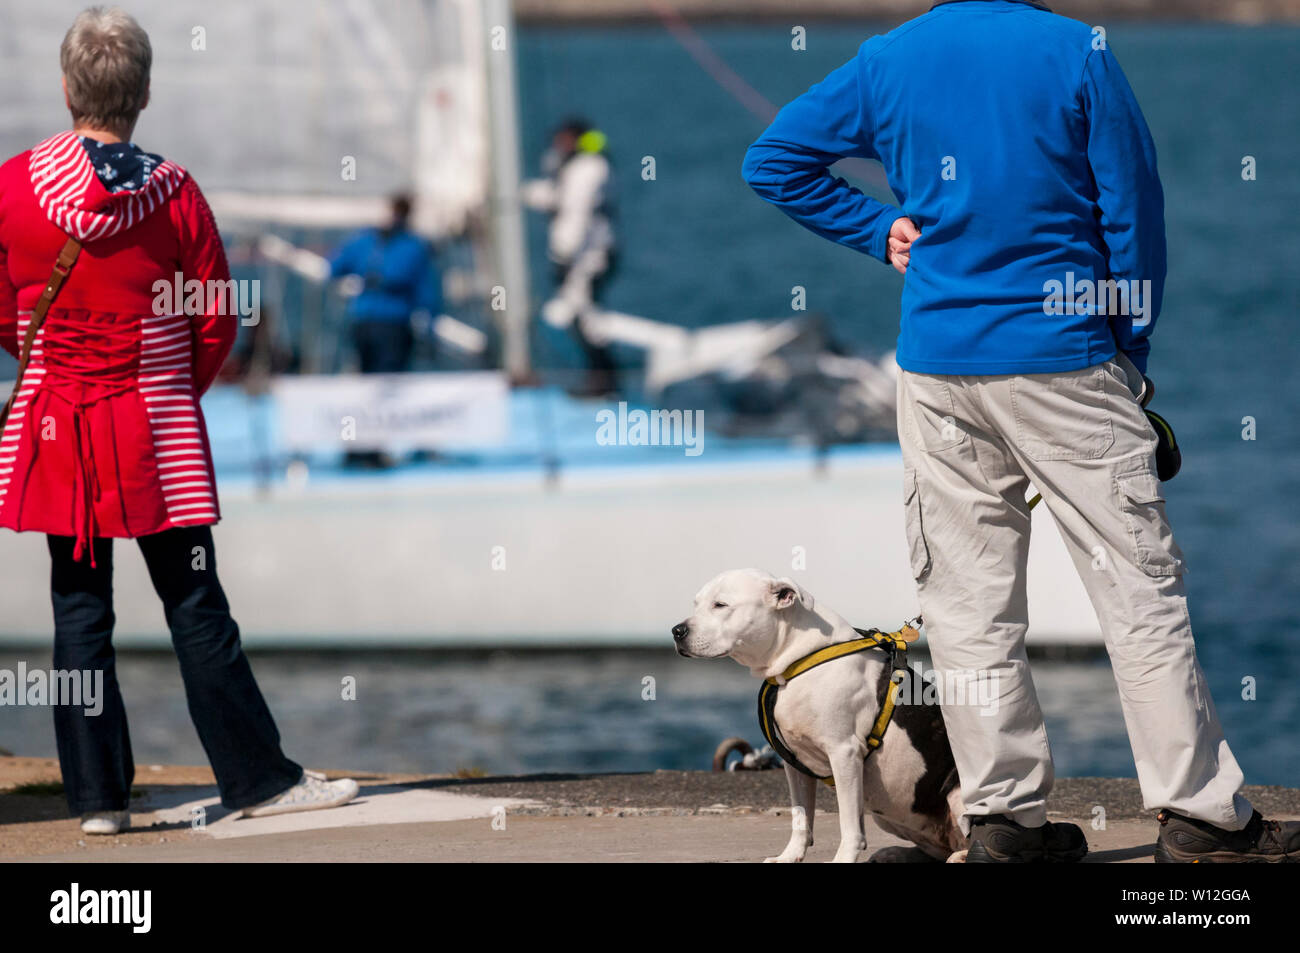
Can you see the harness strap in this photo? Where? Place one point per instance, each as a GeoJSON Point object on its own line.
{"type": "Point", "coordinates": [895, 643]}
{"type": "Point", "coordinates": [767, 693]}
{"type": "Point", "coordinates": [886, 715]}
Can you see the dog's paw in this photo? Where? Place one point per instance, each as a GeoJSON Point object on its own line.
{"type": "Point", "coordinates": [784, 859]}
{"type": "Point", "coordinates": [957, 857]}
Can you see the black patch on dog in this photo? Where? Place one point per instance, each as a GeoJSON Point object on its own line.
{"type": "Point", "coordinates": [925, 729]}
{"type": "Point", "coordinates": [902, 855]}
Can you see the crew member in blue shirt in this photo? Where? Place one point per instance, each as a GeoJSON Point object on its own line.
{"type": "Point", "coordinates": [400, 278]}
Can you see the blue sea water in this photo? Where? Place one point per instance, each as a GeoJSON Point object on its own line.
{"type": "Point", "coordinates": [509, 713]}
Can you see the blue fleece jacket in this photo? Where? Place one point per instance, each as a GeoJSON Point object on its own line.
{"type": "Point", "coordinates": [399, 271]}
{"type": "Point", "coordinates": [1013, 141]}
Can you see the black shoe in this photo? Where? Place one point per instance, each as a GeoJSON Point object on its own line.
{"type": "Point", "coordinates": [1185, 840]}
{"type": "Point", "coordinates": [998, 839]}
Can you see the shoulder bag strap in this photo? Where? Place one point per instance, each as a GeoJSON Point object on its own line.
{"type": "Point", "coordinates": [67, 258]}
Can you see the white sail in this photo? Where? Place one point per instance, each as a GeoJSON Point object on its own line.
{"type": "Point", "coordinates": [299, 112]}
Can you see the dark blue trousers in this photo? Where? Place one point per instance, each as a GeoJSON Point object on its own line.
{"type": "Point", "coordinates": [383, 347]}
{"type": "Point", "coordinates": [234, 724]}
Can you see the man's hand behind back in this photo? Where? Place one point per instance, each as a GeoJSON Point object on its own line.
{"type": "Point", "coordinates": [901, 235]}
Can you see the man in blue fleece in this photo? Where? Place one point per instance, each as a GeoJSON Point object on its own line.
{"type": "Point", "coordinates": [400, 277]}
{"type": "Point", "coordinates": [1031, 240]}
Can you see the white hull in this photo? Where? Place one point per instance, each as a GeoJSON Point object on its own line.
{"type": "Point", "coordinates": [605, 556]}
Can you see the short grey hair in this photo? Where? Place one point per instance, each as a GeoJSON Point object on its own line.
{"type": "Point", "coordinates": [106, 59]}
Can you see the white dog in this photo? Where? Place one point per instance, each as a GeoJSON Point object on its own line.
{"type": "Point", "coordinates": [825, 715]}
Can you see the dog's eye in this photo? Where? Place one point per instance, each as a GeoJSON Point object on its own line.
{"type": "Point", "coordinates": [719, 605]}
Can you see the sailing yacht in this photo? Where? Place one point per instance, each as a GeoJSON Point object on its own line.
{"type": "Point", "coordinates": [520, 526]}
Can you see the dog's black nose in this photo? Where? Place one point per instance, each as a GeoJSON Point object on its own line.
{"type": "Point", "coordinates": [680, 631]}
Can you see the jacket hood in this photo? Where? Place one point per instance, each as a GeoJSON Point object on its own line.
{"type": "Point", "coordinates": [76, 201]}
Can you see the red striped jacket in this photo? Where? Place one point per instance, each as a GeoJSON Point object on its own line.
{"type": "Point", "coordinates": [106, 437]}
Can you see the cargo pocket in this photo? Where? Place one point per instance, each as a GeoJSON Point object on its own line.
{"type": "Point", "coordinates": [919, 549]}
{"type": "Point", "coordinates": [1154, 549]}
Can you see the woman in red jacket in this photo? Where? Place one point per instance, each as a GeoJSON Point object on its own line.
{"type": "Point", "coordinates": [105, 437]}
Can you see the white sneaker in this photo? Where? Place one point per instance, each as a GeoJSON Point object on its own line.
{"type": "Point", "coordinates": [105, 822]}
{"type": "Point", "coordinates": [312, 793]}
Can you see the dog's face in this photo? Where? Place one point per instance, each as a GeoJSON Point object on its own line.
{"type": "Point", "coordinates": [738, 614]}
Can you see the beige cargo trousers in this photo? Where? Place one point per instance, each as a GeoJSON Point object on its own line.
{"type": "Point", "coordinates": [972, 445]}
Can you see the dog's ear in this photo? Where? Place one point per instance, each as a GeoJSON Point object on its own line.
{"type": "Point", "coordinates": [786, 592]}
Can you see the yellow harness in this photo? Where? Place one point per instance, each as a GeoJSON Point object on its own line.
{"type": "Point", "coordinates": [895, 643]}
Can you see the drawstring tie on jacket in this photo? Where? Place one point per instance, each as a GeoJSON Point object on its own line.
{"type": "Point", "coordinates": [101, 358]}
{"type": "Point", "coordinates": [87, 482]}
{"type": "Point", "coordinates": [85, 476]}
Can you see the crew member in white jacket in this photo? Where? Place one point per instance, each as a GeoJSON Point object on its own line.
{"type": "Point", "coordinates": [576, 193]}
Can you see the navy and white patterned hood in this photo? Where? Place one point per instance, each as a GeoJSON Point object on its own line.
{"type": "Point", "coordinates": [120, 166]}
